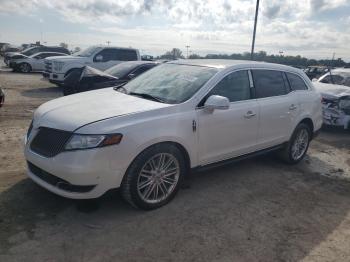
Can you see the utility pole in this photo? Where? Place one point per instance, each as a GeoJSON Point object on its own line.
{"type": "Point", "coordinates": [254, 32]}
{"type": "Point", "coordinates": [187, 50]}
{"type": "Point", "coordinates": [108, 42]}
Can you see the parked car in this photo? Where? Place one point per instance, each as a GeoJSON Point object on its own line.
{"type": "Point", "coordinates": [2, 97]}
{"type": "Point", "coordinates": [339, 76]}
{"type": "Point", "coordinates": [26, 64]}
{"type": "Point", "coordinates": [335, 90]}
{"type": "Point", "coordinates": [187, 114]}
{"type": "Point", "coordinates": [102, 58]}
{"type": "Point", "coordinates": [34, 50]}
{"type": "Point", "coordinates": [3, 44]}
{"type": "Point", "coordinates": [315, 71]}
{"type": "Point", "coordinates": [90, 78]}
{"type": "Point", "coordinates": [7, 49]}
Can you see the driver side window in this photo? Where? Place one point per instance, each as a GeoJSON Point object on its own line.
{"type": "Point", "coordinates": [235, 86]}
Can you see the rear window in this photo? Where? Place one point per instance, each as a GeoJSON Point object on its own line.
{"type": "Point", "coordinates": [296, 82]}
{"type": "Point", "coordinates": [126, 55]}
{"type": "Point", "coordinates": [268, 83]}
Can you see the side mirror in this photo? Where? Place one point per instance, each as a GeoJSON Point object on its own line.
{"type": "Point", "coordinates": [217, 102]}
{"type": "Point", "coordinates": [314, 79]}
{"type": "Point", "coordinates": [131, 75]}
{"type": "Point", "coordinates": [99, 58]}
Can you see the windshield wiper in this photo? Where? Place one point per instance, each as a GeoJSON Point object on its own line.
{"type": "Point", "coordinates": [147, 96]}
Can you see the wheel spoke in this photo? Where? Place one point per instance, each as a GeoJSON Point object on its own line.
{"type": "Point", "coordinates": [168, 180]}
{"type": "Point", "coordinates": [149, 190]}
{"type": "Point", "coordinates": [145, 184]}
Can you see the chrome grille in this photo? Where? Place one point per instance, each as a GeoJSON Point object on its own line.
{"type": "Point", "coordinates": [49, 142]}
{"type": "Point", "coordinates": [48, 66]}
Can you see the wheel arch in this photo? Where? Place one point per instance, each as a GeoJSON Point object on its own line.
{"type": "Point", "coordinates": [308, 121]}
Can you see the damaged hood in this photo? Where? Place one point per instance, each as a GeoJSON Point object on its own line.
{"type": "Point", "coordinates": [71, 112]}
{"type": "Point", "coordinates": [331, 91]}
{"type": "Point", "coordinates": [90, 71]}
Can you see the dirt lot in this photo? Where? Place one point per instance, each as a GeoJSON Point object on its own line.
{"type": "Point", "coordinates": [255, 210]}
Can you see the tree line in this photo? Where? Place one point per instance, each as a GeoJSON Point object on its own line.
{"type": "Point", "coordinates": [297, 61]}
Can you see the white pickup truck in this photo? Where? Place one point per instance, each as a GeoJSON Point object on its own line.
{"type": "Point", "coordinates": [99, 57]}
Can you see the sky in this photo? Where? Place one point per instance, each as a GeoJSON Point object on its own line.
{"type": "Point", "coordinates": [310, 28]}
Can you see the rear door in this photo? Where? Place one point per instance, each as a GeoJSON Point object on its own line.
{"type": "Point", "coordinates": [223, 134]}
{"type": "Point", "coordinates": [278, 107]}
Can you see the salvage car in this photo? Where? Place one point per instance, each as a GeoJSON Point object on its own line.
{"type": "Point", "coordinates": [90, 78]}
{"type": "Point", "coordinates": [2, 97]}
{"type": "Point", "coordinates": [26, 64]}
{"type": "Point", "coordinates": [146, 136]}
{"type": "Point", "coordinates": [99, 57]}
{"type": "Point", "coordinates": [34, 50]}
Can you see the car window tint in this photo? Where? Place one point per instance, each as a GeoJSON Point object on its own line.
{"type": "Point", "coordinates": [296, 82]}
{"type": "Point", "coordinates": [268, 83]}
{"type": "Point", "coordinates": [125, 55]}
{"type": "Point", "coordinates": [235, 86]}
{"type": "Point", "coordinates": [140, 70]}
{"type": "Point", "coordinates": [107, 55]}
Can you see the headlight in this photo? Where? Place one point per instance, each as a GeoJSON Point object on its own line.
{"type": "Point", "coordinates": [57, 66]}
{"type": "Point", "coordinates": [92, 141]}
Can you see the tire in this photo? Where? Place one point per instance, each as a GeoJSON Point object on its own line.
{"type": "Point", "coordinates": [24, 68]}
{"type": "Point", "coordinates": [146, 188]}
{"type": "Point", "coordinates": [290, 154]}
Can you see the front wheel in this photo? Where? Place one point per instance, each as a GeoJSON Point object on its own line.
{"type": "Point", "coordinates": [24, 68]}
{"type": "Point", "coordinates": [154, 177]}
{"type": "Point", "coordinates": [298, 145]}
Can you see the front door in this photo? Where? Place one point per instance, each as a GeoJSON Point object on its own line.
{"type": "Point", "coordinates": [223, 134]}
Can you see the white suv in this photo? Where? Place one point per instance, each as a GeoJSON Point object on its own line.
{"type": "Point", "coordinates": [146, 136]}
{"type": "Point", "coordinates": [102, 58]}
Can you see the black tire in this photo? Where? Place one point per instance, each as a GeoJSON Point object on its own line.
{"type": "Point", "coordinates": [129, 188]}
{"type": "Point", "coordinates": [287, 153]}
{"type": "Point", "coordinates": [24, 68]}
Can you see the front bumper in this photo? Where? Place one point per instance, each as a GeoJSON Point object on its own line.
{"type": "Point", "coordinates": [55, 78]}
{"type": "Point", "coordinates": [81, 174]}
{"type": "Point", "coordinates": [336, 118]}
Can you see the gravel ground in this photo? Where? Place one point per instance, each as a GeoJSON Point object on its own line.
{"type": "Point", "coordinates": [255, 210]}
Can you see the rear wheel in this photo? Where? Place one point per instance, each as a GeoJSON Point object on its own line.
{"type": "Point", "coordinates": [24, 68]}
{"type": "Point", "coordinates": [298, 145]}
{"type": "Point", "coordinates": [154, 177]}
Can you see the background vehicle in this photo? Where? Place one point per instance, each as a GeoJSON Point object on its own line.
{"type": "Point", "coordinates": [339, 76]}
{"type": "Point", "coordinates": [26, 64]}
{"type": "Point", "coordinates": [8, 48]}
{"type": "Point", "coordinates": [2, 45]}
{"type": "Point", "coordinates": [89, 78]}
{"type": "Point", "coordinates": [315, 71]}
{"type": "Point", "coordinates": [2, 97]}
{"type": "Point", "coordinates": [177, 116]}
{"type": "Point", "coordinates": [102, 58]}
{"type": "Point", "coordinates": [33, 50]}
{"type": "Point", "coordinates": [334, 87]}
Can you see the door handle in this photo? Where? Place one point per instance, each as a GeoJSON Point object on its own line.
{"type": "Point", "coordinates": [249, 114]}
{"type": "Point", "coordinates": [292, 107]}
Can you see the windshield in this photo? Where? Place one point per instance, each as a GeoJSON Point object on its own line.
{"type": "Point", "coordinates": [171, 83]}
{"type": "Point", "coordinates": [29, 51]}
{"type": "Point", "coordinates": [120, 70]}
{"type": "Point", "coordinates": [87, 52]}
{"type": "Point", "coordinates": [338, 78]}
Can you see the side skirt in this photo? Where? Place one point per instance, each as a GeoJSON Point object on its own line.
{"type": "Point", "coordinates": [237, 159]}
